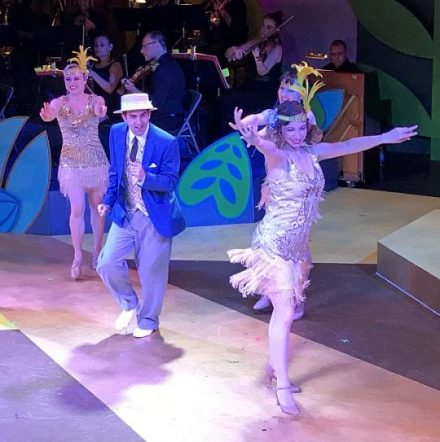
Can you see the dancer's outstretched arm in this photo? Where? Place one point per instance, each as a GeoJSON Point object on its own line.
{"type": "Point", "coordinates": [359, 144]}
{"type": "Point", "coordinates": [259, 119]}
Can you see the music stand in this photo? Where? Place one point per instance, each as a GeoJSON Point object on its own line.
{"type": "Point", "coordinates": [202, 73]}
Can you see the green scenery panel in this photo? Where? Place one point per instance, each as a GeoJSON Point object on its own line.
{"type": "Point", "coordinates": [398, 28]}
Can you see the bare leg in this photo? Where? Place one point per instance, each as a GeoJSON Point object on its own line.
{"type": "Point", "coordinates": [279, 329]}
{"type": "Point", "coordinates": [95, 197]}
{"type": "Point", "coordinates": [76, 222]}
{"type": "Point", "coordinates": [264, 301]}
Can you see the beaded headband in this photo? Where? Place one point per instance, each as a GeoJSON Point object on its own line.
{"type": "Point", "coordinates": [299, 118]}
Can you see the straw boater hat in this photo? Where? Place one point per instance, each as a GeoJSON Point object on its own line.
{"type": "Point", "coordinates": [135, 102]}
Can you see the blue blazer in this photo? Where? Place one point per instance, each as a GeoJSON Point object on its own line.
{"type": "Point", "coordinates": [161, 163]}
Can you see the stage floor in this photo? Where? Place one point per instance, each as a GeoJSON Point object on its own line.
{"type": "Point", "coordinates": [366, 355]}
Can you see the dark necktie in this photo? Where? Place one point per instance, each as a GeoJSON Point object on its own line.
{"type": "Point", "coordinates": [134, 149]}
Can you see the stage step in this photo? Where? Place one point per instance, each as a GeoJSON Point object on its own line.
{"type": "Point", "coordinates": [409, 258]}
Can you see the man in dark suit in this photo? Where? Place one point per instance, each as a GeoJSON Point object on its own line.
{"type": "Point", "coordinates": [165, 84]}
{"type": "Point", "coordinates": [144, 165]}
{"type": "Point", "coordinates": [339, 60]}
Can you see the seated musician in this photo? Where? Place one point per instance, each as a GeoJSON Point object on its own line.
{"type": "Point", "coordinates": [163, 80]}
{"type": "Point", "coordinates": [339, 59]}
{"type": "Point", "coordinates": [264, 67]}
{"type": "Point", "coordinates": [106, 73]}
{"type": "Point", "coordinates": [259, 89]}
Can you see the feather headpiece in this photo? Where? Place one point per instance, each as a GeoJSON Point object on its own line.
{"type": "Point", "coordinates": [302, 85]}
{"type": "Point", "coordinates": [82, 58]}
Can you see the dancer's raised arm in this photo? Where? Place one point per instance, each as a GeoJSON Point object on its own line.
{"type": "Point", "coordinates": [252, 138]}
{"type": "Point", "coordinates": [359, 144]}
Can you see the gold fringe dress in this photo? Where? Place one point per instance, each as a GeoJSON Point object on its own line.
{"type": "Point", "coordinates": [276, 261]}
{"type": "Point", "coordinates": [83, 162]}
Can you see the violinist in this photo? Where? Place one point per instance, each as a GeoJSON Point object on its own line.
{"type": "Point", "coordinates": [163, 80]}
{"type": "Point", "coordinates": [267, 53]}
{"type": "Point", "coordinates": [259, 89]}
{"type": "Point", "coordinates": [106, 73]}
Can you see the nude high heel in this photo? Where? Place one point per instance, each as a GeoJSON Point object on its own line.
{"type": "Point", "coordinates": [75, 270]}
{"type": "Point", "coordinates": [270, 379]}
{"type": "Point", "coordinates": [95, 260]}
{"type": "Point", "coordinates": [291, 408]}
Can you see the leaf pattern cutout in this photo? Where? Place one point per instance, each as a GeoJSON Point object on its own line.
{"type": "Point", "coordinates": [221, 172]}
{"type": "Point", "coordinates": [9, 209]}
{"type": "Point", "coordinates": [28, 180]}
{"type": "Point", "coordinates": [9, 130]}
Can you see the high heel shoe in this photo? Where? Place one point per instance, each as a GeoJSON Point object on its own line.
{"type": "Point", "coordinates": [270, 379]}
{"type": "Point", "coordinates": [291, 408]}
{"type": "Point", "coordinates": [95, 260]}
{"type": "Point", "coordinates": [75, 270]}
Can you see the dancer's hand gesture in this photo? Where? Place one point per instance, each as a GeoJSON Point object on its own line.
{"type": "Point", "coordinates": [237, 124]}
{"type": "Point", "coordinates": [103, 209]}
{"type": "Point", "coordinates": [101, 109]}
{"type": "Point", "coordinates": [248, 133]}
{"type": "Point", "coordinates": [99, 106]}
{"type": "Point", "coordinates": [46, 113]}
{"type": "Point", "coordinates": [399, 135]}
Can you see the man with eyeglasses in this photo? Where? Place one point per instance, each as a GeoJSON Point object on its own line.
{"type": "Point", "coordinates": [163, 80]}
{"type": "Point", "coordinates": [339, 60]}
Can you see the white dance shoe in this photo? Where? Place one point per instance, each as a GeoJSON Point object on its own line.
{"type": "Point", "coordinates": [142, 332]}
{"type": "Point", "coordinates": [123, 320]}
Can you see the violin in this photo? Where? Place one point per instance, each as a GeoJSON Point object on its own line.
{"type": "Point", "coordinates": [140, 74]}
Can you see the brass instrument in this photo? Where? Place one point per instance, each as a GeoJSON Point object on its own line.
{"type": "Point", "coordinates": [214, 15]}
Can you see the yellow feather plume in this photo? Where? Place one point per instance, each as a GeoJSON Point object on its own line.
{"type": "Point", "coordinates": [303, 70]}
{"type": "Point", "coordinates": [82, 58]}
{"type": "Point", "coordinates": [302, 83]}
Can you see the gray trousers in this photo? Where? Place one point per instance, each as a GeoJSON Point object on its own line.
{"type": "Point", "coordinates": [152, 256]}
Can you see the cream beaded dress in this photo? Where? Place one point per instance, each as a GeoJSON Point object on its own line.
{"type": "Point", "coordinates": [276, 261]}
{"type": "Point", "coordinates": [83, 162]}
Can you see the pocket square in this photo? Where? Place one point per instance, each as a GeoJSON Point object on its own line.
{"type": "Point", "coordinates": [152, 165]}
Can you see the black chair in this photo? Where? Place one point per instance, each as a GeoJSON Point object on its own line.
{"type": "Point", "coordinates": [6, 93]}
{"type": "Point", "coordinates": [191, 100]}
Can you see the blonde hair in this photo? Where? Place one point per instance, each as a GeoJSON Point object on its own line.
{"type": "Point", "coordinates": [73, 67]}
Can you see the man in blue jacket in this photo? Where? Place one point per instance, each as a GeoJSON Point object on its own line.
{"type": "Point", "coordinates": [144, 165]}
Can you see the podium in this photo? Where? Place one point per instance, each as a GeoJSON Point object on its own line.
{"type": "Point", "coordinates": [350, 122]}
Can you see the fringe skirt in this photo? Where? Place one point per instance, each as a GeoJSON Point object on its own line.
{"type": "Point", "coordinates": [269, 275]}
{"type": "Point", "coordinates": [83, 178]}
